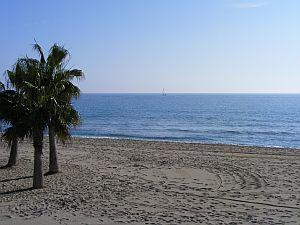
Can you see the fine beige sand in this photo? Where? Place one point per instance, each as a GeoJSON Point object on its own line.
{"type": "Point", "coordinates": [107, 181]}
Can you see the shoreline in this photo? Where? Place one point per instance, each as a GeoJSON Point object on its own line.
{"type": "Point", "coordinates": [118, 181]}
{"type": "Point", "coordinates": [180, 142]}
{"type": "Point", "coordinates": [174, 141]}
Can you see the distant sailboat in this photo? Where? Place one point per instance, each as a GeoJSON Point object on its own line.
{"type": "Point", "coordinates": [163, 92]}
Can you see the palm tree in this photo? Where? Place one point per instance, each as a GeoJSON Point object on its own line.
{"type": "Point", "coordinates": [27, 80]}
{"type": "Point", "coordinates": [45, 92]}
{"type": "Point", "coordinates": [61, 91]}
{"type": "Point", "coordinates": [12, 112]}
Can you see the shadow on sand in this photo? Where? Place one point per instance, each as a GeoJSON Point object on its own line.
{"type": "Point", "coordinates": [16, 191]}
{"type": "Point", "coordinates": [14, 179]}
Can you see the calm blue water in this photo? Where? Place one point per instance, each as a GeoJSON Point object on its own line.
{"type": "Point", "coordinates": [245, 119]}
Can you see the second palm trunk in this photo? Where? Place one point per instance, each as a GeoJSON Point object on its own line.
{"type": "Point", "coordinates": [53, 163]}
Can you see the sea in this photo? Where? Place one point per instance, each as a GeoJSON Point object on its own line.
{"type": "Point", "coordinates": [269, 120]}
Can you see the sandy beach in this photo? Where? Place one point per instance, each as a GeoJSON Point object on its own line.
{"type": "Point", "coordinates": [104, 181]}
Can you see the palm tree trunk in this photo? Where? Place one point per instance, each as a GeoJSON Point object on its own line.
{"type": "Point", "coordinates": [53, 162]}
{"type": "Point", "coordinates": [38, 176]}
{"type": "Point", "coordinates": [13, 156]}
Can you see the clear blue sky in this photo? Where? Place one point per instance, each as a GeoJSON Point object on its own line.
{"type": "Point", "coordinates": [179, 45]}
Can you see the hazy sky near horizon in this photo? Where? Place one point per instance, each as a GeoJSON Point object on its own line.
{"type": "Point", "coordinates": [179, 45]}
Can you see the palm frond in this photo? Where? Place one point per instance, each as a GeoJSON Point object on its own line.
{"type": "Point", "coordinates": [75, 73]}
{"type": "Point", "coordinates": [39, 50]}
{"type": "Point", "coordinates": [20, 131]}
{"type": "Point", "coordinates": [65, 121]}
{"type": "Point", "coordinates": [57, 57]}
